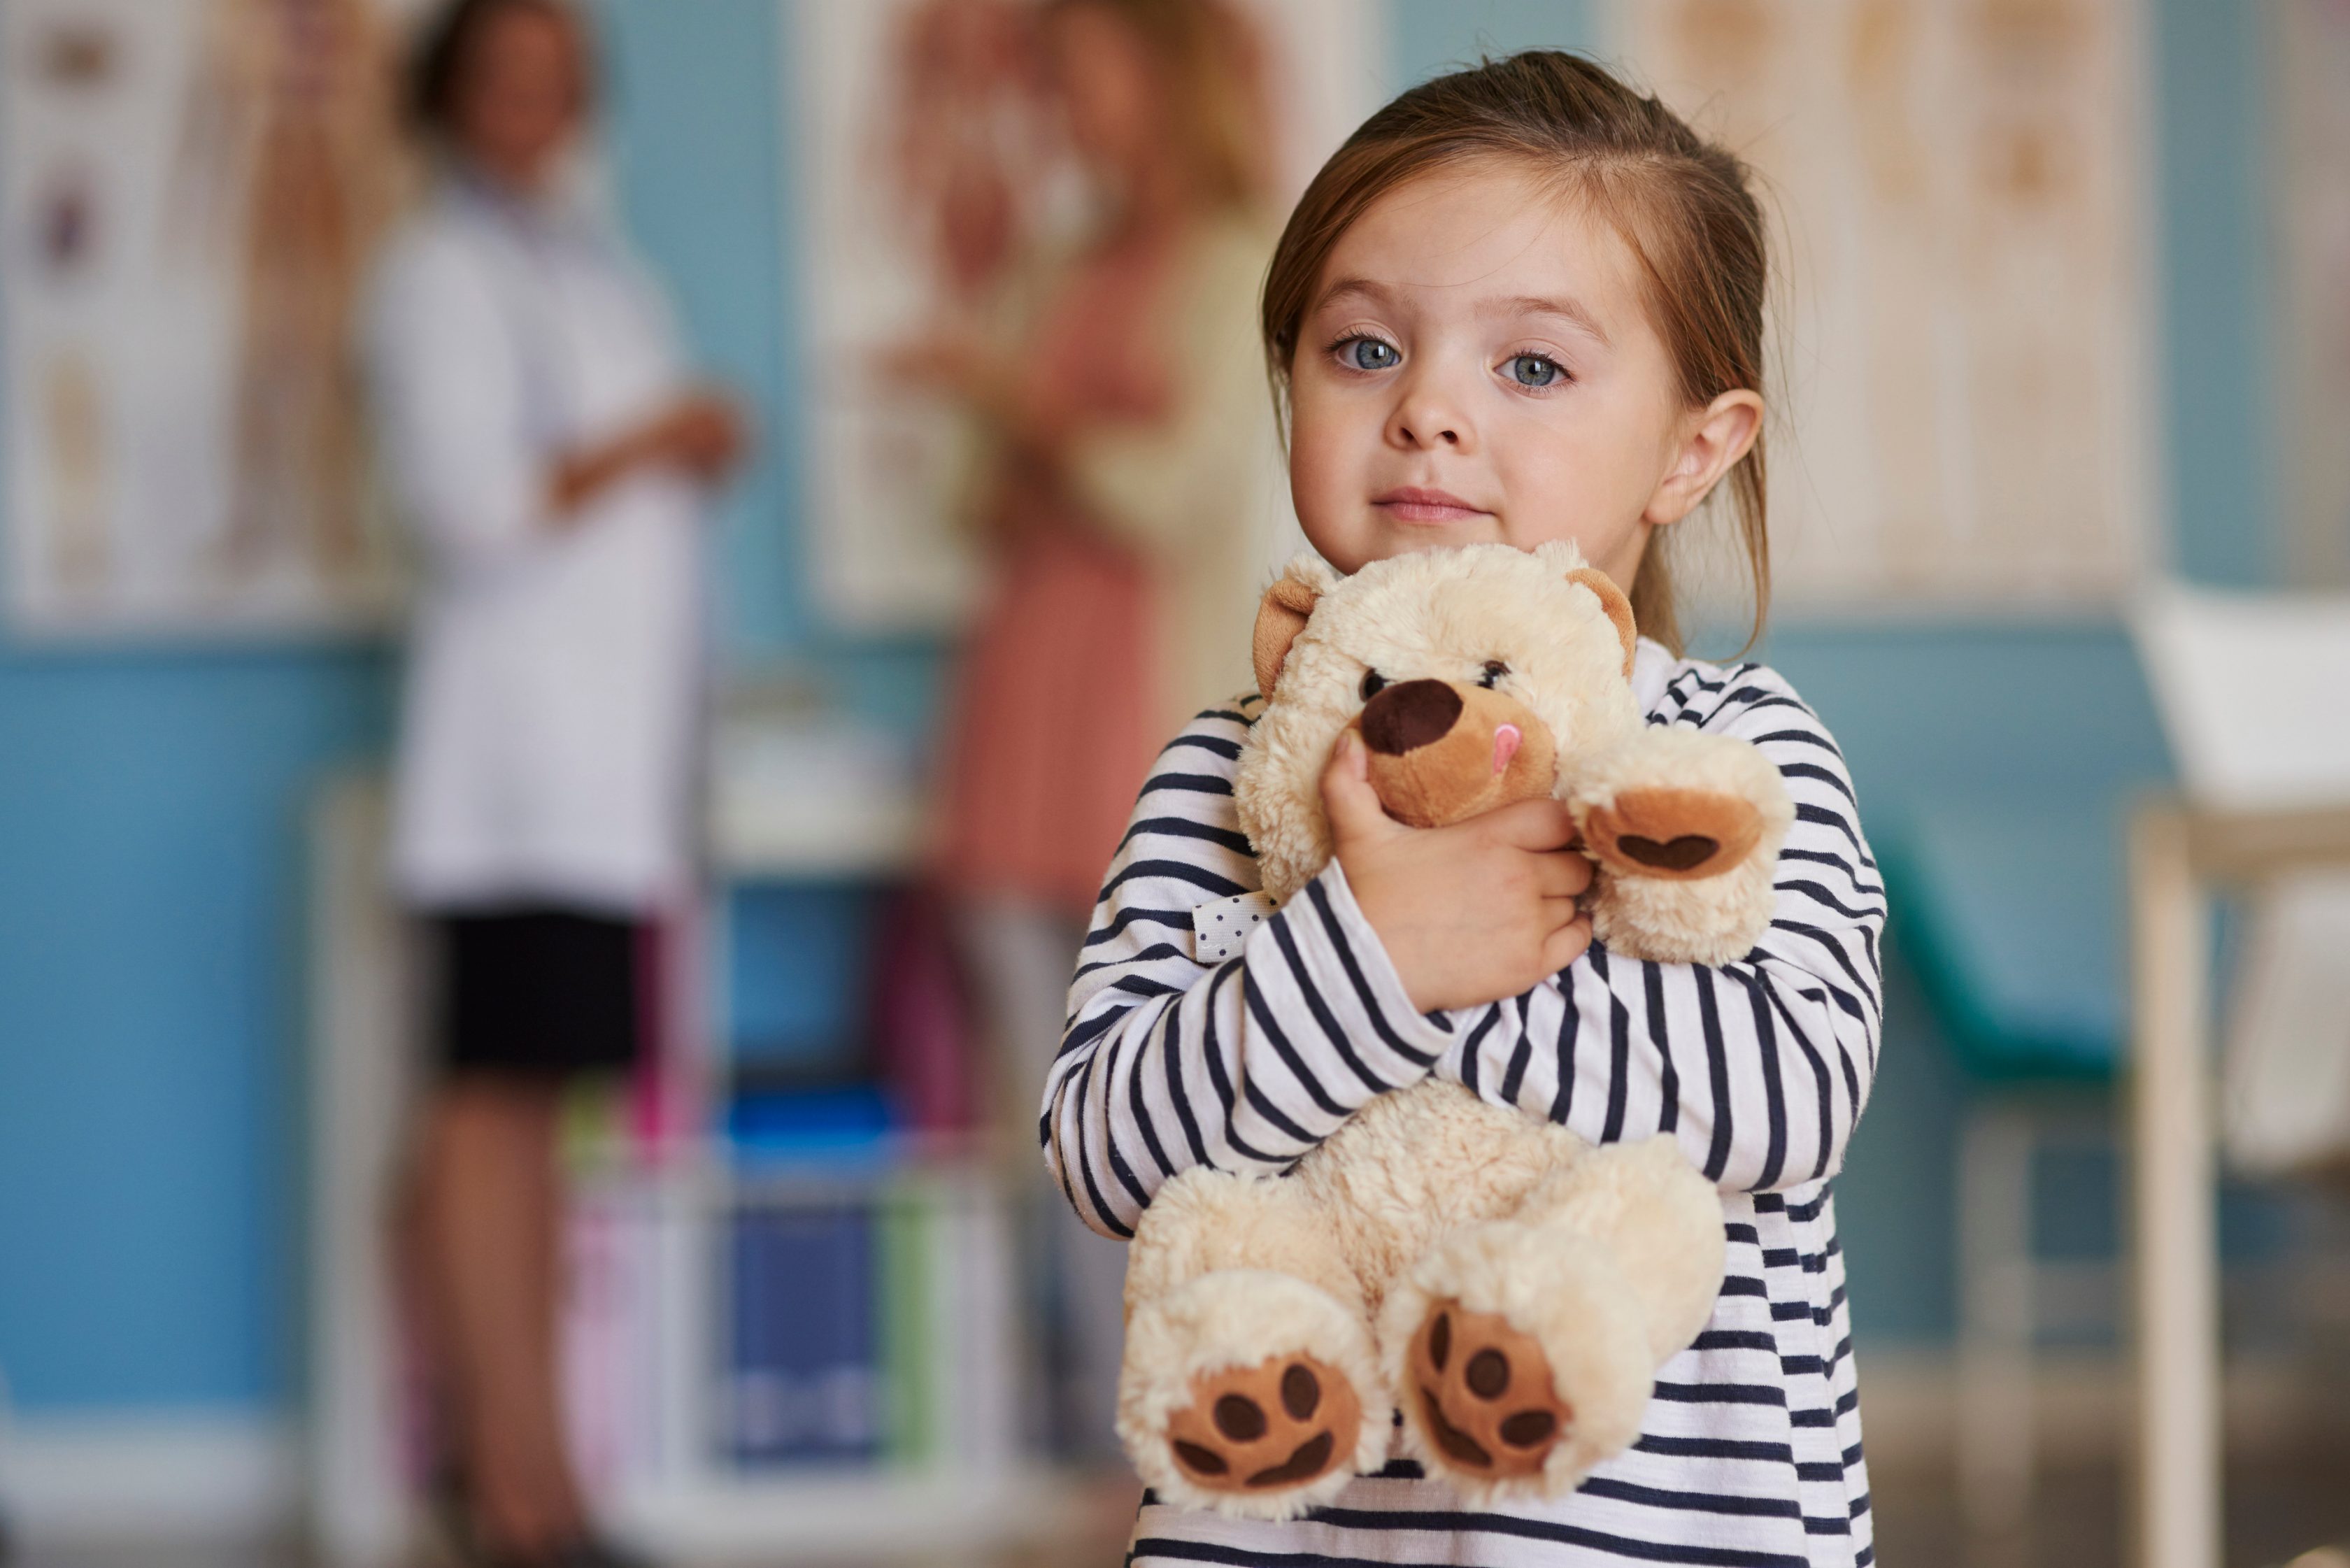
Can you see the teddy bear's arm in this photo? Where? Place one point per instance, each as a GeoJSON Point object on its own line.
{"type": "Point", "coordinates": [1243, 1065]}
{"type": "Point", "coordinates": [1759, 1066]}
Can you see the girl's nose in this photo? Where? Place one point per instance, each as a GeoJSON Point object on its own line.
{"type": "Point", "coordinates": [1427, 416]}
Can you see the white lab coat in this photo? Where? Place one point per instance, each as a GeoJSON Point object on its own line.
{"type": "Point", "coordinates": [554, 670]}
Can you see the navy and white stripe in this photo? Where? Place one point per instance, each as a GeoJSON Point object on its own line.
{"type": "Point", "coordinates": [1751, 1452]}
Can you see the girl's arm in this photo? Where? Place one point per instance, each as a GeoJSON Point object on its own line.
{"type": "Point", "coordinates": [1760, 1067]}
{"type": "Point", "coordinates": [1243, 1063]}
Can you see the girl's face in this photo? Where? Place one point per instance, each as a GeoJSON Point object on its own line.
{"type": "Point", "coordinates": [1476, 365]}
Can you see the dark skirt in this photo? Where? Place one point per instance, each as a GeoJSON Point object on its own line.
{"type": "Point", "coordinates": [539, 990]}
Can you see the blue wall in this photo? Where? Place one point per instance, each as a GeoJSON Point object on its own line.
{"type": "Point", "coordinates": [694, 125]}
{"type": "Point", "coordinates": [2207, 64]}
{"type": "Point", "coordinates": [149, 1001]}
{"type": "Point", "coordinates": [150, 941]}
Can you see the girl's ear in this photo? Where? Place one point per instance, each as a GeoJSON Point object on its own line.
{"type": "Point", "coordinates": [1282, 614]}
{"type": "Point", "coordinates": [1617, 607]}
{"type": "Point", "coordinates": [1712, 441]}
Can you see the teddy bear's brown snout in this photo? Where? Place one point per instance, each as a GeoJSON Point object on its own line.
{"type": "Point", "coordinates": [1409, 715]}
{"type": "Point", "coordinates": [1441, 752]}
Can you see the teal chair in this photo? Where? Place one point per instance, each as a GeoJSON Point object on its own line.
{"type": "Point", "coordinates": [2011, 914]}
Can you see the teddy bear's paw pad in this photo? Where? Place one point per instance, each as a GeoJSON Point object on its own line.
{"type": "Point", "coordinates": [1484, 1393]}
{"type": "Point", "coordinates": [1673, 832]}
{"type": "Point", "coordinates": [1282, 1423]}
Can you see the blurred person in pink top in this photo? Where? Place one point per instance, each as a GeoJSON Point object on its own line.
{"type": "Point", "coordinates": [1128, 485]}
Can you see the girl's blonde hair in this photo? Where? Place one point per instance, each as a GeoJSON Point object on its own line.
{"type": "Point", "coordinates": [1681, 205]}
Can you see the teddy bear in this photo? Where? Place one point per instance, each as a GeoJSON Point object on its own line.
{"type": "Point", "coordinates": [1509, 1288]}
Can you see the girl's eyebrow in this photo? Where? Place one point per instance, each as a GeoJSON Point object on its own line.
{"type": "Point", "coordinates": [1568, 310]}
{"type": "Point", "coordinates": [1362, 288]}
{"type": "Point", "coordinates": [1379, 296]}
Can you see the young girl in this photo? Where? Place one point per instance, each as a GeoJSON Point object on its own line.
{"type": "Point", "coordinates": [1522, 303]}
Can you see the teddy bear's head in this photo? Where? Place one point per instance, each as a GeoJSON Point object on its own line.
{"type": "Point", "coordinates": [1472, 673]}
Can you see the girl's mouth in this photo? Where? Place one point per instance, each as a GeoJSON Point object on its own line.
{"type": "Point", "coordinates": [1411, 503]}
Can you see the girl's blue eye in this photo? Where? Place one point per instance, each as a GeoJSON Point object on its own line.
{"type": "Point", "coordinates": [1367, 354]}
{"type": "Point", "coordinates": [1536, 371]}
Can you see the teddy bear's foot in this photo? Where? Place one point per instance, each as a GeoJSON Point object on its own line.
{"type": "Point", "coordinates": [1283, 1423]}
{"type": "Point", "coordinates": [1519, 1359]}
{"type": "Point", "coordinates": [1673, 832]}
{"type": "Point", "coordinates": [1484, 1393]}
{"type": "Point", "coordinates": [1244, 1391]}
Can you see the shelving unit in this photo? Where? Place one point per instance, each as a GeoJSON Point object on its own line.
{"type": "Point", "coordinates": [963, 1482]}
{"type": "Point", "coordinates": [950, 1476]}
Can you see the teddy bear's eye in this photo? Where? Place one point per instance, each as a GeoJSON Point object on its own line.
{"type": "Point", "coordinates": [1373, 684]}
{"type": "Point", "coordinates": [1494, 670]}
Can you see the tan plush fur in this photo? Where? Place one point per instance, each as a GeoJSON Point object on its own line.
{"type": "Point", "coordinates": [1429, 1202]}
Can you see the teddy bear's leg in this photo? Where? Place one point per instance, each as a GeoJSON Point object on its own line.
{"type": "Point", "coordinates": [1525, 1349]}
{"type": "Point", "coordinates": [1250, 1384]}
{"type": "Point", "coordinates": [1651, 1211]}
{"type": "Point", "coordinates": [1686, 827]}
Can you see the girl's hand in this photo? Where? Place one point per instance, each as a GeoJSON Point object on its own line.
{"type": "Point", "coordinates": [1468, 914]}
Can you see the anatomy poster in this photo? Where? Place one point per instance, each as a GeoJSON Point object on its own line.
{"type": "Point", "coordinates": [1959, 197]}
{"type": "Point", "coordinates": [190, 190]}
{"type": "Point", "coordinates": [931, 175]}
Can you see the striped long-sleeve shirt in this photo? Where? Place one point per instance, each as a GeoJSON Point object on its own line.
{"type": "Point", "coordinates": [1749, 1452]}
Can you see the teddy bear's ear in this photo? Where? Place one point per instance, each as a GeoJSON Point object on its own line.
{"type": "Point", "coordinates": [1612, 600]}
{"type": "Point", "coordinates": [1281, 614]}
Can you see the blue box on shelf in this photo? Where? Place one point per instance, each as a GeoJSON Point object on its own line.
{"type": "Point", "coordinates": [835, 1125]}
{"type": "Point", "coordinates": [803, 1380]}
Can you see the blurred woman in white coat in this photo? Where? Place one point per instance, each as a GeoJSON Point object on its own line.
{"type": "Point", "coordinates": [551, 455]}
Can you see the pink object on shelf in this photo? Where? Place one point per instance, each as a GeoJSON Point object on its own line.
{"type": "Point", "coordinates": [922, 1029]}
{"type": "Point", "coordinates": [667, 1090]}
